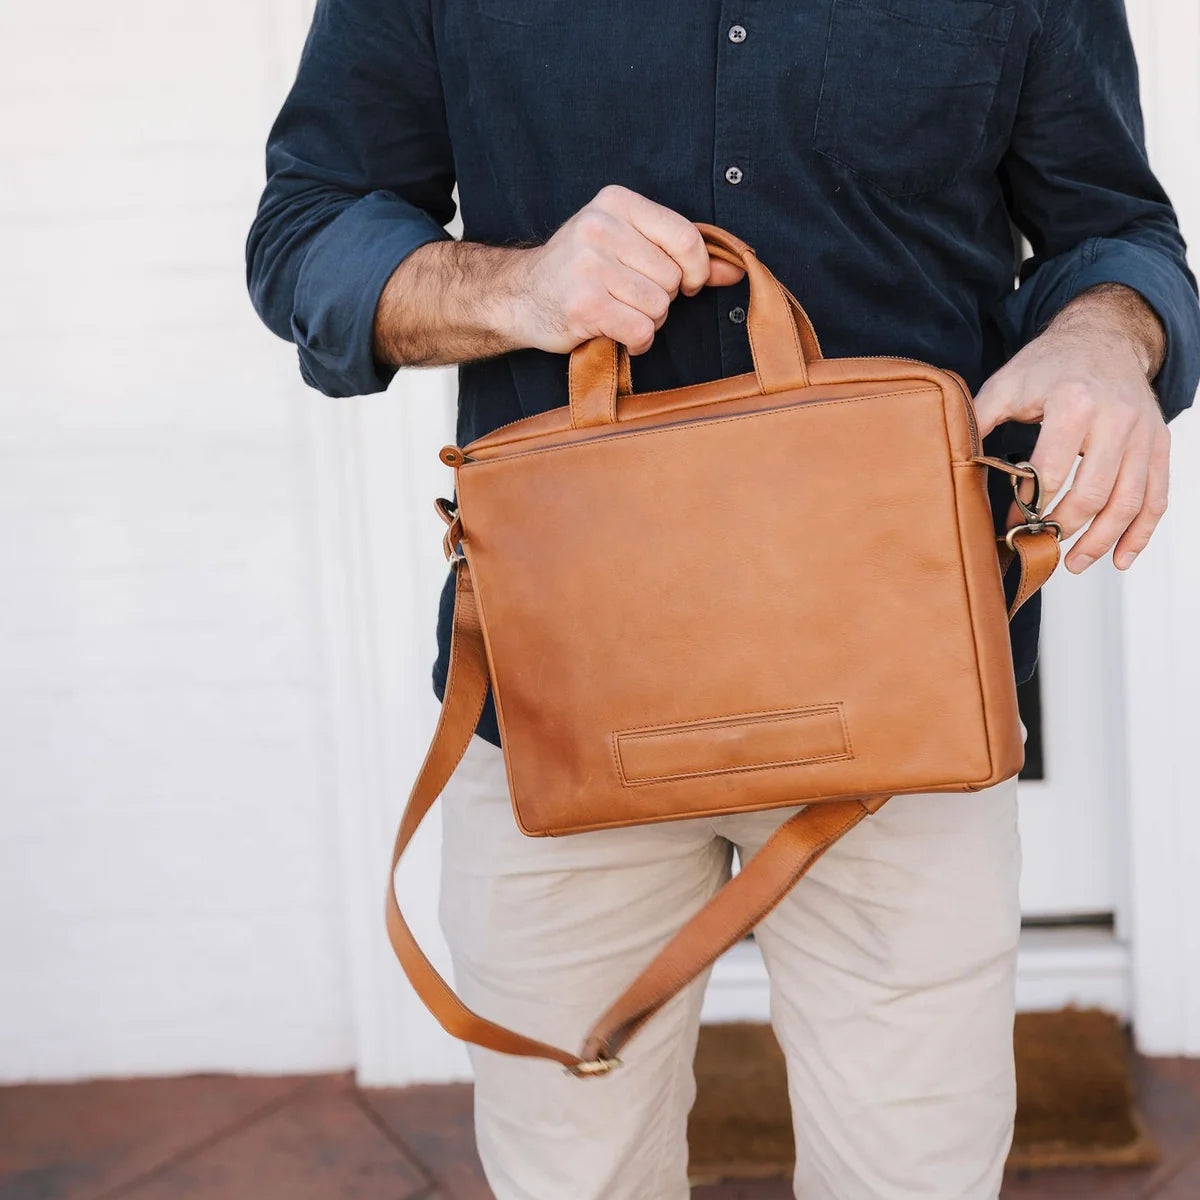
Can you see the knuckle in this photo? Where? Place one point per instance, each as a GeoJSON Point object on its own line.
{"type": "Point", "coordinates": [1052, 477]}
{"type": "Point", "coordinates": [611, 193]}
{"type": "Point", "coordinates": [1127, 506]}
{"type": "Point", "coordinates": [593, 226]}
{"type": "Point", "coordinates": [691, 239]}
{"type": "Point", "coordinates": [641, 334]}
{"type": "Point", "coordinates": [1156, 507]}
{"type": "Point", "coordinates": [1091, 498]}
{"type": "Point", "coordinates": [686, 242]}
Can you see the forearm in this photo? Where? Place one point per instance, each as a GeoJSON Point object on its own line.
{"type": "Point", "coordinates": [611, 271]}
{"type": "Point", "coordinates": [448, 302]}
{"type": "Point", "coordinates": [1111, 311]}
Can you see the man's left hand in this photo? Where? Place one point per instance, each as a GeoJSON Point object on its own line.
{"type": "Point", "coordinates": [1086, 379]}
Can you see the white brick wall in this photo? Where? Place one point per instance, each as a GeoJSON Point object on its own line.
{"type": "Point", "coordinates": [169, 890]}
{"type": "Point", "coordinates": [171, 887]}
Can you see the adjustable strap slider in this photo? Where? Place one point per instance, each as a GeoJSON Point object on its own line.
{"type": "Point", "coordinates": [588, 1068]}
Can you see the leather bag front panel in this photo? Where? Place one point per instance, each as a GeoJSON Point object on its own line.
{"type": "Point", "coordinates": [742, 611]}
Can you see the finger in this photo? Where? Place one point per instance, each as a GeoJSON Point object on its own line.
{"type": "Point", "coordinates": [625, 324]}
{"type": "Point", "coordinates": [995, 402]}
{"type": "Point", "coordinates": [637, 291]}
{"type": "Point", "coordinates": [1119, 512]}
{"type": "Point", "coordinates": [722, 274]}
{"type": "Point", "coordinates": [640, 254]}
{"type": "Point", "coordinates": [1154, 504]}
{"type": "Point", "coordinates": [671, 231]}
{"type": "Point", "coordinates": [1059, 442]}
{"type": "Point", "coordinates": [1104, 450]}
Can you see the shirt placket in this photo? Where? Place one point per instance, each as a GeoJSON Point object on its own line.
{"type": "Point", "coordinates": [733, 163]}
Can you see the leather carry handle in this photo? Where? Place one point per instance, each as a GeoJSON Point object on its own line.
{"type": "Point", "coordinates": [761, 884]}
{"type": "Point", "coordinates": [782, 341]}
{"type": "Point", "coordinates": [808, 336]}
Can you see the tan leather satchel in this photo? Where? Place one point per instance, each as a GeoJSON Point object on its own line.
{"type": "Point", "coordinates": [776, 589]}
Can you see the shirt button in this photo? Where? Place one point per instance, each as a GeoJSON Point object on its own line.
{"type": "Point", "coordinates": [737, 33]}
{"type": "Point", "coordinates": [737, 315]}
{"type": "Point", "coordinates": [733, 175]}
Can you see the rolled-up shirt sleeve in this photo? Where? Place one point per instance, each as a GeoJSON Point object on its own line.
{"type": "Point", "coordinates": [359, 174]}
{"type": "Point", "coordinates": [1080, 188]}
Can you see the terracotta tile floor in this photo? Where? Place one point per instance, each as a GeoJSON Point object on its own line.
{"type": "Point", "coordinates": [321, 1138]}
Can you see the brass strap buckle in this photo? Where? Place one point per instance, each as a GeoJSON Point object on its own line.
{"type": "Point", "coordinates": [593, 1067]}
{"type": "Point", "coordinates": [1032, 512]}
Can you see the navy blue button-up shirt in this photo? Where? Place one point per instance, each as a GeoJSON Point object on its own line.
{"type": "Point", "coordinates": [877, 154]}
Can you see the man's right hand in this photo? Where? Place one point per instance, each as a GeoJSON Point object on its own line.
{"type": "Point", "coordinates": [612, 269]}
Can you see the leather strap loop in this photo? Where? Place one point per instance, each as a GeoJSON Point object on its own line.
{"type": "Point", "coordinates": [592, 374]}
{"type": "Point", "coordinates": [1036, 555]}
{"type": "Point", "coordinates": [782, 341]}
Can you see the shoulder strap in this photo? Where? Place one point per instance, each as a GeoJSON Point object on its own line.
{"type": "Point", "coordinates": [760, 885]}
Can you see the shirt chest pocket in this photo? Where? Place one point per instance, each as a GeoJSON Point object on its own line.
{"type": "Point", "coordinates": [907, 88]}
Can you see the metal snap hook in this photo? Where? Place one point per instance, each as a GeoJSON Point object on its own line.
{"type": "Point", "coordinates": [1033, 510]}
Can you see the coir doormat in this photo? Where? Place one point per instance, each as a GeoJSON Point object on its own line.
{"type": "Point", "coordinates": [1075, 1102]}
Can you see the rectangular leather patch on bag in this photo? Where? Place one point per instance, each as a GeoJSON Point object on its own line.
{"type": "Point", "coordinates": [721, 745]}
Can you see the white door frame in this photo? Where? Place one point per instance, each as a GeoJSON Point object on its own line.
{"type": "Point", "coordinates": [376, 468]}
{"type": "Point", "coordinates": [1162, 611]}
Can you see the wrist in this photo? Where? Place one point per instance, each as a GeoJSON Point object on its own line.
{"type": "Point", "coordinates": [450, 302]}
{"type": "Point", "coordinates": [1113, 314]}
{"type": "Point", "coordinates": [502, 308]}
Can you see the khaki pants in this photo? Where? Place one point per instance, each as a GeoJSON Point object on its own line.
{"type": "Point", "coordinates": [891, 968]}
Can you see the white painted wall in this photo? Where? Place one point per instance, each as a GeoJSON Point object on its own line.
{"type": "Point", "coordinates": [170, 891]}
{"type": "Point", "coordinates": [218, 589]}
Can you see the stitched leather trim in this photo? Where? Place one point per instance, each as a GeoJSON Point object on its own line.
{"type": "Point", "coordinates": [739, 742]}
